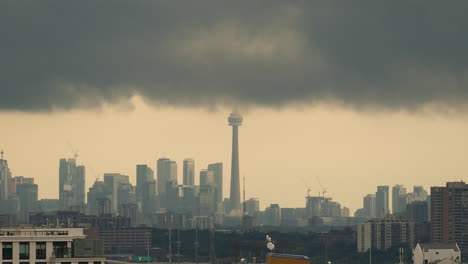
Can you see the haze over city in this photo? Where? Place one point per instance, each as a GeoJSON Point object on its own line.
{"type": "Point", "coordinates": [324, 92]}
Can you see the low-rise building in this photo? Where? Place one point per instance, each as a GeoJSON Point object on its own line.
{"type": "Point", "coordinates": [44, 245]}
{"type": "Point", "coordinates": [436, 253]}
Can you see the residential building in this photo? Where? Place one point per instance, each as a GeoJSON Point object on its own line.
{"type": "Point", "coordinates": [369, 206]}
{"type": "Point", "coordinates": [449, 214]}
{"type": "Point", "coordinates": [217, 169]}
{"type": "Point", "coordinates": [398, 199]}
{"type": "Point", "coordinates": [71, 183]}
{"type": "Point", "coordinates": [5, 176]}
{"type": "Point", "coordinates": [27, 197]}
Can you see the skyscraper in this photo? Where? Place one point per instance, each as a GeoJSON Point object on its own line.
{"type": "Point", "coordinates": [398, 198]}
{"type": "Point", "coordinates": [217, 169]}
{"type": "Point", "coordinates": [167, 173]}
{"type": "Point", "coordinates": [27, 196]}
{"type": "Point", "coordinates": [189, 172]}
{"type": "Point", "coordinates": [5, 176]}
{"type": "Point", "coordinates": [71, 183]}
{"type": "Point", "coordinates": [206, 178]}
{"type": "Point", "coordinates": [144, 189]}
{"type": "Point", "coordinates": [369, 205]}
{"type": "Point", "coordinates": [112, 183]}
{"type": "Point", "coordinates": [235, 120]}
{"type": "Point", "coordinates": [381, 201]}
{"type": "Point", "coordinates": [449, 214]}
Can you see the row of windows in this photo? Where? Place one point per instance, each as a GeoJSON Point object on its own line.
{"type": "Point", "coordinates": [95, 262]}
{"type": "Point", "coordinates": [60, 249]}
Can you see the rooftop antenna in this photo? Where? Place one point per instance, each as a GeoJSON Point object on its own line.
{"type": "Point", "coordinates": [1, 154]}
{"type": "Point", "coordinates": [74, 151]}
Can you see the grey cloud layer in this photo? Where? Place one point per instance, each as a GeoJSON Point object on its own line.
{"type": "Point", "coordinates": [389, 54]}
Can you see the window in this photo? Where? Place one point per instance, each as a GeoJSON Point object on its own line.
{"type": "Point", "coordinates": [24, 250]}
{"type": "Point", "coordinates": [97, 262]}
{"type": "Point", "coordinates": [24, 262]}
{"type": "Point", "coordinates": [7, 250]}
{"type": "Point", "coordinates": [82, 262]}
{"type": "Point", "coordinates": [41, 262]}
{"type": "Point", "coordinates": [65, 262]}
{"type": "Point", "coordinates": [40, 250]}
{"type": "Point", "coordinates": [60, 250]}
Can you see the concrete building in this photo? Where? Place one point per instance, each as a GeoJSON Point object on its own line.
{"type": "Point", "coordinates": [44, 245]}
{"type": "Point", "coordinates": [398, 198]}
{"type": "Point", "coordinates": [385, 233]}
{"type": "Point", "coordinates": [369, 206]}
{"type": "Point", "coordinates": [118, 240]}
{"type": "Point", "coordinates": [235, 120]}
{"type": "Point", "coordinates": [146, 190]}
{"type": "Point", "coordinates": [112, 183]}
{"type": "Point", "coordinates": [27, 197]}
{"type": "Point", "coordinates": [167, 176]}
{"type": "Point", "coordinates": [382, 201]}
{"type": "Point", "coordinates": [437, 253]}
{"type": "Point", "coordinates": [272, 215]}
{"type": "Point", "coordinates": [71, 183]}
{"type": "Point", "coordinates": [97, 193]}
{"type": "Point", "coordinates": [217, 169]}
{"type": "Point", "coordinates": [417, 212]}
{"type": "Point", "coordinates": [449, 214]}
{"type": "Point", "coordinates": [5, 176]}
{"type": "Point", "coordinates": [189, 172]}
{"type": "Point", "coordinates": [16, 181]}
{"type": "Point", "coordinates": [252, 206]}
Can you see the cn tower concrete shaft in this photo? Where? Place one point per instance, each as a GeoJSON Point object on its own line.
{"type": "Point", "coordinates": [235, 120]}
{"type": "Point", "coordinates": [235, 182]}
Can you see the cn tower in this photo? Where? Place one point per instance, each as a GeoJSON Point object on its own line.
{"type": "Point", "coordinates": [235, 120]}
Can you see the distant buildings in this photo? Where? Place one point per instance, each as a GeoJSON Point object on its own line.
{"type": "Point", "coordinates": [217, 169]}
{"type": "Point", "coordinates": [272, 215]}
{"type": "Point", "coordinates": [449, 215]}
{"type": "Point", "coordinates": [71, 183]}
{"type": "Point", "coordinates": [382, 201]}
{"type": "Point", "coordinates": [385, 233]}
{"type": "Point", "coordinates": [5, 176]}
{"type": "Point", "coordinates": [27, 196]}
{"type": "Point", "coordinates": [398, 198]}
{"type": "Point", "coordinates": [369, 206]}
{"type": "Point", "coordinates": [189, 172]}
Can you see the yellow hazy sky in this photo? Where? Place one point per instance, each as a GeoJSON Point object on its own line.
{"type": "Point", "coordinates": [350, 152]}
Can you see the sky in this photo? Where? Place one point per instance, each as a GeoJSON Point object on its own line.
{"type": "Point", "coordinates": [356, 95]}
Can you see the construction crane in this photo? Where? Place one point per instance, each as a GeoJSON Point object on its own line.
{"type": "Point", "coordinates": [307, 188]}
{"type": "Point", "coordinates": [74, 151]}
{"type": "Point", "coordinates": [324, 190]}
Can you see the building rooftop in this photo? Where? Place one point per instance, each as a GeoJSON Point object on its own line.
{"type": "Point", "coordinates": [428, 246]}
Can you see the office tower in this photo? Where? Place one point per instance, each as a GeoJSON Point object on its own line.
{"type": "Point", "coordinates": [217, 169]}
{"type": "Point", "coordinates": [272, 215]}
{"type": "Point", "coordinates": [112, 183]}
{"type": "Point", "coordinates": [16, 181]}
{"type": "Point", "coordinates": [417, 211]}
{"type": "Point", "coordinates": [5, 176]}
{"type": "Point", "coordinates": [71, 183]}
{"type": "Point", "coordinates": [381, 201]}
{"type": "Point", "coordinates": [189, 172]}
{"type": "Point", "coordinates": [206, 200]}
{"type": "Point", "coordinates": [206, 178]}
{"type": "Point", "coordinates": [167, 174]}
{"type": "Point", "coordinates": [27, 196]}
{"type": "Point", "coordinates": [145, 189]}
{"type": "Point", "coordinates": [449, 214]}
{"type": "Point", "coordinates": [235, 120]}
{"type": "Point", "coordinates": [314, 206]}
{"type": "Point", "coordinates": [369, 205]}
{"type": "Point", "coordinates": [398, 199]}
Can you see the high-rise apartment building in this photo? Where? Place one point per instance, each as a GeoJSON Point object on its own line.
{"type": "Point", "coordinates": [449, 215]}
{"type": "Point", "coordinates": [71, 183]}
{"type": "Point", "coordinates": [217, 169]}
{"type": "Point", "coordinates": [189, 172]}
{"type": "Point", "coordinates": [369, 205]}
{"type": "Point", "coordinates": [382, 201]}
{"type": "Point", "coordinates": [206, 178]}
{"type": "Point", "coordinates": [252, 206]}
{"type": "Point", "coordinates": [5, 176]}
{"type": "Point", "coordinates": [272, 215]}
{"type": "Point", "coordinates": [398, 198]}
{"type": "Point", "coordinates": [27, 196]}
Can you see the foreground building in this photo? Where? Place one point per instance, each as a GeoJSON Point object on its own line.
{"type": "Point", "coordinates": [48, 245]}
{"type": "Point", "coordinates": [449, 214]}
{"type": "Point", "coordinates": [436, 253]}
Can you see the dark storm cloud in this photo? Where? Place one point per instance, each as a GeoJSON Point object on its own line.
{"type": "Point", "coordinates": [388, 54]}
